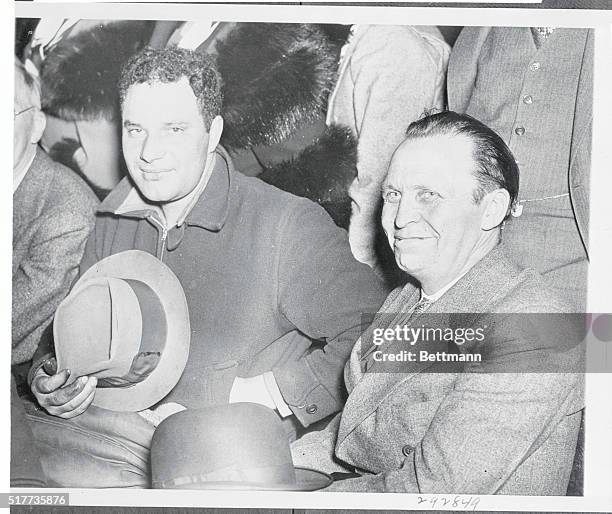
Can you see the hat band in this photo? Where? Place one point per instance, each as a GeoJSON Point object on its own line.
{"type": "Point", "coordinates": [260, 476]}
{"type": "Point", "coordinates": [152, 341]}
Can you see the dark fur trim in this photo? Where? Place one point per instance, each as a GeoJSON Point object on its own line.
{"type": "Point", "coordinates": [80, 73]}
{"type": "Point", "coordinates": [276, 77]}
{"type": "Point", "coordinates": [322, 172]}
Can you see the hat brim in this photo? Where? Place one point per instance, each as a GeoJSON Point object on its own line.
{"type": "Point", "coordinates": [306, 480]}
{"type": "Point", "coordinates": [139, 265]}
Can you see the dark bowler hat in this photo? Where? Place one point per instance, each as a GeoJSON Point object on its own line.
{"type": "Point", "coordinates": [125, 322]}
{"type": "Point", "coordinates": [236, 446]}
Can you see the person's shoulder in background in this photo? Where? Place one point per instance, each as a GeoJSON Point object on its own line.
{"type": "Point", "coordinates": [68, 186]}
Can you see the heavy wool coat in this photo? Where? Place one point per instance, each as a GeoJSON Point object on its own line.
{"type": "Point", "coordinates": [270, 283]}
{"type": "Point", "coordinates": [417, 431]}
{"type": "Point", "coordinates": [53, 214]}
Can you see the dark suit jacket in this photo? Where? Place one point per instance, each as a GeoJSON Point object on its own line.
{"type": "Point", "coordinates": [53, 214]}
{"type": "Point", "coordinates": [414, 430]}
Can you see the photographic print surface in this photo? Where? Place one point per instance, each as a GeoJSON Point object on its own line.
{"type": "Point", "coordinates": [221, 227]}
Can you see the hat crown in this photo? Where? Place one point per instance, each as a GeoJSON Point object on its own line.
{"type": "Point", "coordinates": [126, 321]}
{"type": "Point", "coordinates": [98, 328]}
{"type": "Point", "coordinates": [242, 444]}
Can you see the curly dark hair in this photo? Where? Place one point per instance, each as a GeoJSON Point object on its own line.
{"type": "Point", "coordinates": [170, 65]}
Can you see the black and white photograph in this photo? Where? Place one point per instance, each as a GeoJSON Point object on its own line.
{"type": "Point", "coordinates": [278, 256]}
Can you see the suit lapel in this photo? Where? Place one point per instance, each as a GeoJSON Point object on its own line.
{"type": "Point", "coordinates": [28, 202]}
{"type": "Point", "coordinates": [29, 195]}
{"type": "Point", "coordinates": [382, 378]}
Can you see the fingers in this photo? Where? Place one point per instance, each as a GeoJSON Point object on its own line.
{"type": "Point", "coordinates": [65, 402]}
{"type": "Point", "coordinates": [69, 393]}
{"type": "Point", "coordinates": [50, 366]}
{"type": "Point", "coordinates": [81, 402]}
{"type": "Point", "coordinates": [47, 384]}
{"type": "Point", "coordinates": [73, 400]}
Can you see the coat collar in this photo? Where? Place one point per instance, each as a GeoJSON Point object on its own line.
{"type": "Point", "coordinates": [473, 292]}
{"type": "Point", "coordinates": [209, 211]}
{"type": "Point", "coordinates": [479, 290]}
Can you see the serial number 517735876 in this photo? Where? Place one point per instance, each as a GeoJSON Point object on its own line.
{"type": "Point", "coordinates": [38, 499]}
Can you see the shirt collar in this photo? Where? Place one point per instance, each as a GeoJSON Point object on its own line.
{"type": "Point", "coordinates": [438, 294]}
{"type": "Point", "coordinates": [22, 173]}
{"type": "Point", "coordinates": [209, 210]}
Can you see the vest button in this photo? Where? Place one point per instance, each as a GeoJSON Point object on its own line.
{"type": "Point", "coordinates": [519, 131]}
{"type": "Point", "coordinates": [407, 450]}
{"type": "Point", "coordinates": [534, 66]}
{"type": "Point", "coordinates": [311, 409]}
{"type": "Point", "coordinates": [528, 99]}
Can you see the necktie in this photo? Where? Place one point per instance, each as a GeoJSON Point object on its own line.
{"type": "Point", "coordinates": [421, 306]}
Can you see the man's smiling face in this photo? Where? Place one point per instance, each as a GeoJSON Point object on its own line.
{"type": "Point", "coordinates": [429, 215]}
{"type": "Point", "coordinates": [165, 139]}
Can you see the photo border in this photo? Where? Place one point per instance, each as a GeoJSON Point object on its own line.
{"type": "Point", "coordinates": [598, 440]}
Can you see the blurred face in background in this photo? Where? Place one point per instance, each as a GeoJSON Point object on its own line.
{"type": "Point", "coordinates": [29, 121]}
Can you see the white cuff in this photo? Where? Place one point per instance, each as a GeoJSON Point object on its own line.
{"type": "Point", "coordinates": [275, 394]}
{"type": "Point", "coordinates": [251, 390]}
{"type": "Point", "coordinates": [261, 389]}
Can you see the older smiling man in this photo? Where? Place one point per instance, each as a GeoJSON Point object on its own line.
{"type": "Point", "coordinates": [414, 426]}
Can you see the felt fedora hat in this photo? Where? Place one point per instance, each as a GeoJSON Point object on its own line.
{"type": "Point", "coordinates": [125, 322]}
{"type": "Point", "coordinates": [236, 446]}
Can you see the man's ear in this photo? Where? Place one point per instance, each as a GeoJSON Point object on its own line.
{"type": "Point", "coordinates": [496, 204]}
{"type": "Point", "coordinates": [214, 134]}
{"type": "Point", "coordinates": [38, 126]}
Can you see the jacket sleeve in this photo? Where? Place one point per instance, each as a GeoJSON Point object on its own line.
{"type": "Point", "coordinates": [86, 257]}
{"type": "Point", "coordinates": [396, 75]}
{"type": "Point", "coordinates": [463, 67]}
{"type": "Point", "coordinates": [323, 291]}
{"type": "Point", "coordinates": [43, 278]}
{"type": "Point", "coordinates": [580, 151]}
{"type": "Point", "coordinates": [315, 450]}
